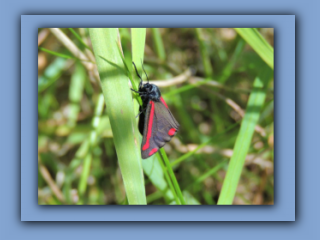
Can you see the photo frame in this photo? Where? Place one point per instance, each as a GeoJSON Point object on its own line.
{"type": "Point", "coordinates": [284, 208]}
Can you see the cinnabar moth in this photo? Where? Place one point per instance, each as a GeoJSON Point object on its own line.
{"type": "Point", "coordinates": [156, 123]}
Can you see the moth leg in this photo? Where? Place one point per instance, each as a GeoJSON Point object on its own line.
{"type": "Point", "coordinates": [141, 93]}
{"type": "Point", "coordinates": [135, 91]}
{"type": "Point", "coordinates": [141, 112]}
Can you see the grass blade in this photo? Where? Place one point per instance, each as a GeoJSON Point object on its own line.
{"type": "Point", "coordinates": [227, 71]}
{"type": "Point", "coordinates": [155, 170]}
{"type": "Point", "coordinates": [172, 176]}
{"type": "Point", "coordinates": [188, 154]}
{"type": "Point", "coordinates": [75, 93]}
{"type": "Point", "coordinates": [138, 40]}
{"type": "Point", "coordinates": [242, 144]}
{"type": "Point", "coordinates": [51, 74]}
{"type": "Point", "coordinates": [258, 43]}
{"type": "Point", "coordinates": [92, 142]}
{"type": "Point", "coordinates": [117, 95]}
{"type": "Point", "coordinates": [204, 54]}
{"type": "Point", "coordinates": [58, 54]}
{"type": "Point", "coordinates": [79, 38]}
{"type": "Point", "coordinates": [158, 43]}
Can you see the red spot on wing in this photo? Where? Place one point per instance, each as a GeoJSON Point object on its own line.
{"type": "Point", "coordinates": [153, 151]}
{"type": "Point", "coordinates": [149, 130]}
{"type": "Point", "coordinates": [171, 131]}
{"type": "Point", "coordinates": [164, 103]}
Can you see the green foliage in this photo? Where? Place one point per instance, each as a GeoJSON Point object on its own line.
{"type": "Point", "coordinates": [241, 148]}
{"type": "Point", "coordinates": [88, 141]}
{"type": "Point", "coordinates": [117, 95]}
{"type": "Point", "coordinates": [258, 43]}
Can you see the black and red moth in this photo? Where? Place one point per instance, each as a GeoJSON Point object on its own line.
{"type": "Point", "coordinates": [156, 123]}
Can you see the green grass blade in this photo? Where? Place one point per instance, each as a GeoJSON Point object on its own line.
{"type": "Point", "coordinates": [227, 71]}
{"type": "Point", "coordinates": [75, 93]}
{"type": "Point", "coordinates": [62, 55]}
{"type": "Point", "coordinates": [168, 179]}
{"type": "Point", "coordinates": [204, 54]}
{"type": "Point", "coordinates": [117, 95]}
{"type": "Point", "coordinates": [84, 176]}
{"type": "Point", "coordinates": [51, 74]}
{"type": "Point", "coordinates": [242, 144]}
{"type": "Point", "coordinates": [258, 43]}
{"type": "Point", "coordinates": [158, 43]}
{"type": "Point", "coordinates": [92, 142]}
{"type": "Point", "coordinates": [79, 38]}
{"type": "Point", "coordinates": [134, 86]}
{"type": "Point", "coordinates": [186, 87]}
{"type": "Point", "coordinates": [188, 154]}
{"type": "Point", "coordinates": [190, 200]}
{"type": "Point", "coordinates": [172, 176]}
{"type": "Point", "coordinates": [154, 169]}
{"type": "Point", "coordinates": [154, 196]}
{"type": "Point", "coordinates": [138, 40]}
{"type": "Point", "coordinates": [210, 172]}
{"type": "Point", "coordinates": [57, 54]}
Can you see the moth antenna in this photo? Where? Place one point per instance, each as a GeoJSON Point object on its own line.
{"type": "Point", "coordinates": [137, 74]}
{"type": "Point", "coordinates": [144, 71]}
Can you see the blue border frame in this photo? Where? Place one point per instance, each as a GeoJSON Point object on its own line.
{"type": "Point", "coordinates": [284, 208]}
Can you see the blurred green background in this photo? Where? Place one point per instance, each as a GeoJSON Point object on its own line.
{"type": "Point", "coordinates": [206, 77]}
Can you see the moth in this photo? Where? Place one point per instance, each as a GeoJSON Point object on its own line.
{"type": "Point", "coordinates": [157, 125]}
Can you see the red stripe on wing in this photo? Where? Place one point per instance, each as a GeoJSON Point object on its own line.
{"type": "Point", "coordinates": [154, 150]}
{"type": "Point", "coordinates": [164, 103]}
{"type": "Point", "coordinates": [172, 131]}
{"type": "Point", "coordinates": [149, 131]}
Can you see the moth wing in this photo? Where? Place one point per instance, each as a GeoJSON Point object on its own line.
{"type": "Point", "coordinates": [159, 127]}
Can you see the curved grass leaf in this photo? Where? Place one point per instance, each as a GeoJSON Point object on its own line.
{"type": "Point", "coordinates": [157, 39]}
{"type": "Point", "coordinates": [242, 144]}
{"type": "Point", "coordinates": [79, 38]}
{"type": "Point", "coordinates": [117, 95]}
{"type": "Point", "coordinates": [258, 43]}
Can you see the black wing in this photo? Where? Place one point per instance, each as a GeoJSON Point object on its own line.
{"type": "Point", "coordinates": [159, 127]}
